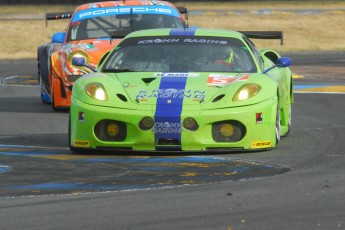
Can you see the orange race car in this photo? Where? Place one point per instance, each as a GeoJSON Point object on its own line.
{"type": "Point", "coordinates": [89, 35]}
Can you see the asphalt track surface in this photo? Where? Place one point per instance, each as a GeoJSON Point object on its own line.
{"type": "Point", "coordinates": [298, 185]}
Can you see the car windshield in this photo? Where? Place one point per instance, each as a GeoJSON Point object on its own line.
{"type": "Point", "coordinates": [181, 54]}
{"type": "Point", "coordinates": [102, 26]}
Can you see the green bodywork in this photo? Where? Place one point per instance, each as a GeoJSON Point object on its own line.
{"type": "Point", "coordinates": [132, 96]}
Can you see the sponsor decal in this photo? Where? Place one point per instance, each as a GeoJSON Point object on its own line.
{"type": "Point", "coordinates": [261, 144]}
{"type": "Point", "coordinates": [80, 143]}
{"type": "Point", "coordinates": [70, 48]}
{"type": "Point", "coordinates": [167, 127]}
{"type": "Point", "coordinates": [103, 12]}
{"type": "Point", "coordinates": [171, 93]}
{"type": "Point", "coordinates": [259, 118]}
{"type": "Point", "coordinates": [128, 85]}
{"type": "Point", "coordinates": [177, 40]}
{"type": "Point", "coordinates": [168, 113]}
{"type": "Point", "coordinates": [205, 41]}
{"type": "Point", "coordinates": [222, 79]}
{"type": "Point", "coordinates": [158, 40]}
{"type": "Point", "coordinates": [176, 75]}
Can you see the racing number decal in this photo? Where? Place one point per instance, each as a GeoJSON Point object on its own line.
{"type": "Point", "coordinates": [220, 79]}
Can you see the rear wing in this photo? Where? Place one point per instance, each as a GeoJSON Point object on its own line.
{"type": "Point", "coordinates": [182, 9]}
{"type": "Point", "coordinates": [57, 16]}
{"type": "Point", "coordinates": [264, 35]}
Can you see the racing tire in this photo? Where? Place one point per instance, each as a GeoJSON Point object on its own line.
{"type": "Point", "coordinates": [43, 72]}
{"type": "Point", "coordinates": [73, 149]}
{"type": "Point", "coordinates": [289, 123]}
{"type": "Point", "coordinates": [277, 126]}
{"type": "Point", "coordinates": [55, 108]}
{"type": "Point", "coordinates": [53, 102]}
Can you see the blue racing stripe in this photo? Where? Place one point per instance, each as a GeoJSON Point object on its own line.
{"type": "Point", "coordinates": [169, 109]}
{"type": "Point", "coordinates": [170, 101]}
{"type": "Point", "coordinates": [182, 32]}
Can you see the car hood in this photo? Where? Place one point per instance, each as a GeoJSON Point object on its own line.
{"type": "Point", "coordinates": [195, 91]}
{"type": "Point", "coordinates": [191, 89]}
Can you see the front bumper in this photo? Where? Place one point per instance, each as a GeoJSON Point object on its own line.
{"type": "Point", "coordinates": [258, 120]}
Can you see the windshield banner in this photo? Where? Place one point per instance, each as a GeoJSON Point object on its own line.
{"type": "Point", "coordinates": [103, 12]}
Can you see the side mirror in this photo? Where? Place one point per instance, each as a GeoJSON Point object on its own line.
{"type": "Point", "coordinates": [281, 62]}
{"type": "Point", "coordinates": [182, 9]}
{"type": "Point", "coordinates": [78, 61]}
{"type": "Point", "coordinates": [59, 37]}
{"type": "Point", "coordinates": [81, 62]}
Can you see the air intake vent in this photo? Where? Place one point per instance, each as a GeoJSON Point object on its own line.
{"type": "Point", "coordinates": [148, 80]}
{"type": "Point", "coordinates": [168, 141]}
{"type": "Point", "coordinates": [218, 98]}
{"type": "Point", "coordinates": [122, 97]}
{"type": "Point", "coordinates": [168, 144]}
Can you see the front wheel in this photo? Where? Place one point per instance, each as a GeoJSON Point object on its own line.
{"type": "Point", "coordinates": [54, 96]}
{"type": "Point", "coordinates": [73, 149]}
{"type": "Point", "coordinates": [289, 123]}
{"type": "Point", "coordinates": [53, 102]}
{"type": "Point", "coordinates": [277, 128]}
{"type": "Point", "coordinates": [43, 78]}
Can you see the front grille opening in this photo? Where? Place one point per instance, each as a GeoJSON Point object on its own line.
{"type": "Point", "coordinates": [168, 141]}
{"type": "Point", "coordinates": [110, 130]}
{"type": "Point", "coordinates": [147, 81]}
{"type": "Point", "coordinates": [228, 131]}
{"type": "Point", "coordinates": [168, 144]}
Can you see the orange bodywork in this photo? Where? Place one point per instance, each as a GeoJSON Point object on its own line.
{"type": "Point", "coordinates": [63, 74]}
{"type": "Point", "coordinates": [60, 79]}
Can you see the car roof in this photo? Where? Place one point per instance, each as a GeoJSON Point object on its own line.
{"type": "Point", "coordinates": [186, 32]}
{"type": "Point", "coordinates": [122, 3]}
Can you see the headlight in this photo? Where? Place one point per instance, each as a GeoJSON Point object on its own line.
{"type": "Point", "coordinates": [246, 91]}
{"type": "Point", "coordinates": [96, 91]}
{"type": "Point", "coordinates": [79, 54]}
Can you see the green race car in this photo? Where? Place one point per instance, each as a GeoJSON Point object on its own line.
{"type": "Point", "coordinates": [183, 90]}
